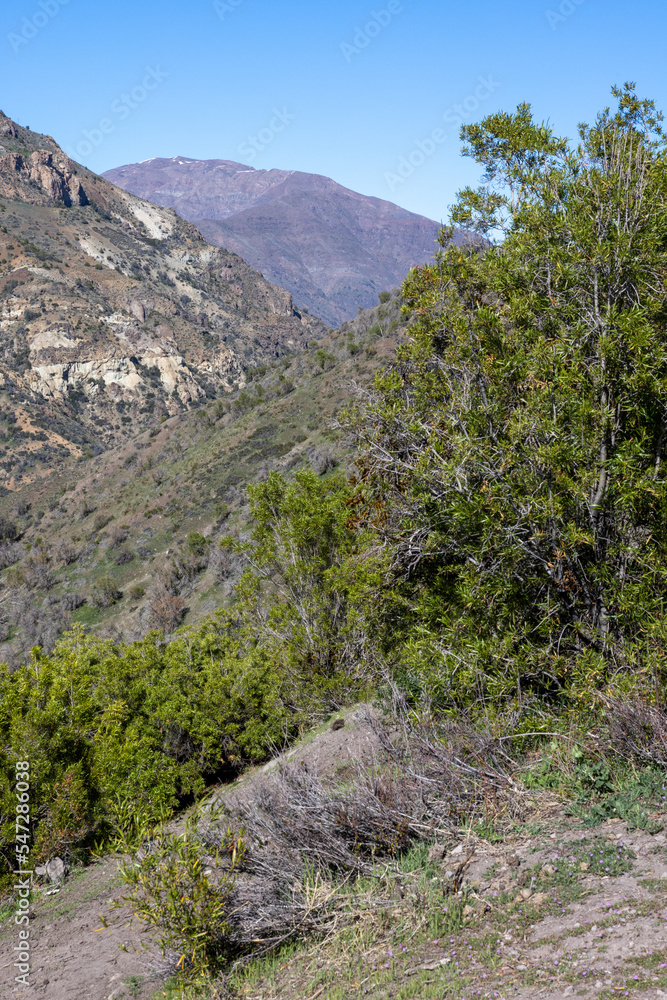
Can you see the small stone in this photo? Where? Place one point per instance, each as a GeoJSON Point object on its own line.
{"type": "Point", "coordinates": [584, 866]}
{"type": "Point", "coordinates": [55, 869]}
{"type": "Point", "coordinates": [548, 869]}
{"type": "Point", "coordinates": [526, 893]}
{"type": "Point", "coordinates": [521, 968]}
{"type": "Point", "coordinates": [437, 853]}
{"type": "Point", "coordinates": [457, 850]}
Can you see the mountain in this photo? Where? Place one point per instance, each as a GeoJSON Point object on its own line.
{"type": "Point", "coordinates": [334, 249]}
{"type": "Point", "coordinates": [114, 313]}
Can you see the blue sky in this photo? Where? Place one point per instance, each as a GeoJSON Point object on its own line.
{"type": "Point", "coordinates": [351, 89]}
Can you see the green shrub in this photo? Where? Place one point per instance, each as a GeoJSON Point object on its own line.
{"type": "Point", "coordinates": [105, 592]}
{"type": "Point", "coordinates": [147, 724]}
{"type": "Point", "coordinates": [181, 888]}
{"type": "Point", "coordinates": [513, 457]}
{"type": "Point", "coordinates": [197, 544]}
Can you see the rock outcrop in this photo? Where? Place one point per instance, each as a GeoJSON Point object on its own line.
{"type": "Point", "coordinates": [41, 178]}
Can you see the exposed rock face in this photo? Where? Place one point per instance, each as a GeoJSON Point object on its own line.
{"type": "Point", "coordinates": [334, 249]}
{"type": "Point", "coordinates": [7, 128]}
{"type": "Point", "coordinates": [114, 312]}
{"type": "Point", "coordinates": [54, 178]}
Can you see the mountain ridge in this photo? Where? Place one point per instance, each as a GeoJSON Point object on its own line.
{"type": "Point", "coordinates": [333, 248]}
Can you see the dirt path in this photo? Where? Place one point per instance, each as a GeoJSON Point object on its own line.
{"type": "Point", "coordinates": [73, 956]}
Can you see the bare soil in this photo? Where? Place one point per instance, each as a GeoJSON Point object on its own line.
{"type": "Point", "coordinates": [73, 955]}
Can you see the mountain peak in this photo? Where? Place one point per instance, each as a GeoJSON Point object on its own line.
{"type": "Point", "coordinates": [333, 248]}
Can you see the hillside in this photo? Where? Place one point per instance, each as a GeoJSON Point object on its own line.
{"type": "Point", "coordinates": [334, 249]}
{"type": "Point", "coordinates": [109, 543]}
{"type": "Point", "coordinates": [412, 741]}
{"type": "Point", "coordinates": [113, 312]}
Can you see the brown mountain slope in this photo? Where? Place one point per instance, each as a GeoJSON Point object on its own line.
{"type": "Point", "coordinates": [113, 312]}
{"type": "Point", "coordinates": [107, 544]}
{"type": "Point", "coordinates": [334, 249]}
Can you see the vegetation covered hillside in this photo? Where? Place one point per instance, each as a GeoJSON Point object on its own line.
{"type": "Point", "coordinates": [480, 551]}
{"type": "Point", "coordinates": [130, 540]}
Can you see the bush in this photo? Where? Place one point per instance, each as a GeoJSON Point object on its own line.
{"type": "Point", "coordinates": [117, 535]}
{"type": "Point", "coordinates": [8, 530]}
{"type": "Point", "coordinates": [513, 458]}
{"type": "Point", "coordinates": [145, 724]}
{"type": "Point", "coordinates": [182, 889]}
{"type": "Point", "coordinates": [166, 609]}
{"type": "Point", "coordinates": [10, 553]}
{"type": "Point", "coordinates": [197, 544]}
{"type": "Point", "coordinates": [325, 359]}
{"type": "Point", "coordinates": [226, 563]}
{"type": "Point", "coordinates": [307, 600]}
{"type": "Point", "coordinates": [323, 461]}
{"type": "Point", "coordinates": [37, 572]}
{"type": "Point", "coordinates": [100, 522]}
{"type": "Point", "coordinates": [65, 553]}
{"type": "Point", "coordinates": [105, 592]}
{"type": "Point", "coordinates": [72, 601]}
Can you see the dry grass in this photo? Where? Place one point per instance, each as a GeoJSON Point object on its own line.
{"type": "Point", "coordinates": [309, 840]}
{"type": "Point", "coordinates": [637, 730]}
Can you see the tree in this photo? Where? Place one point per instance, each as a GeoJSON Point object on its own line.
{"type": "Point", "coordinates": [304, 596]}
{"type": "Point", "coordinates": [514, 452]}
